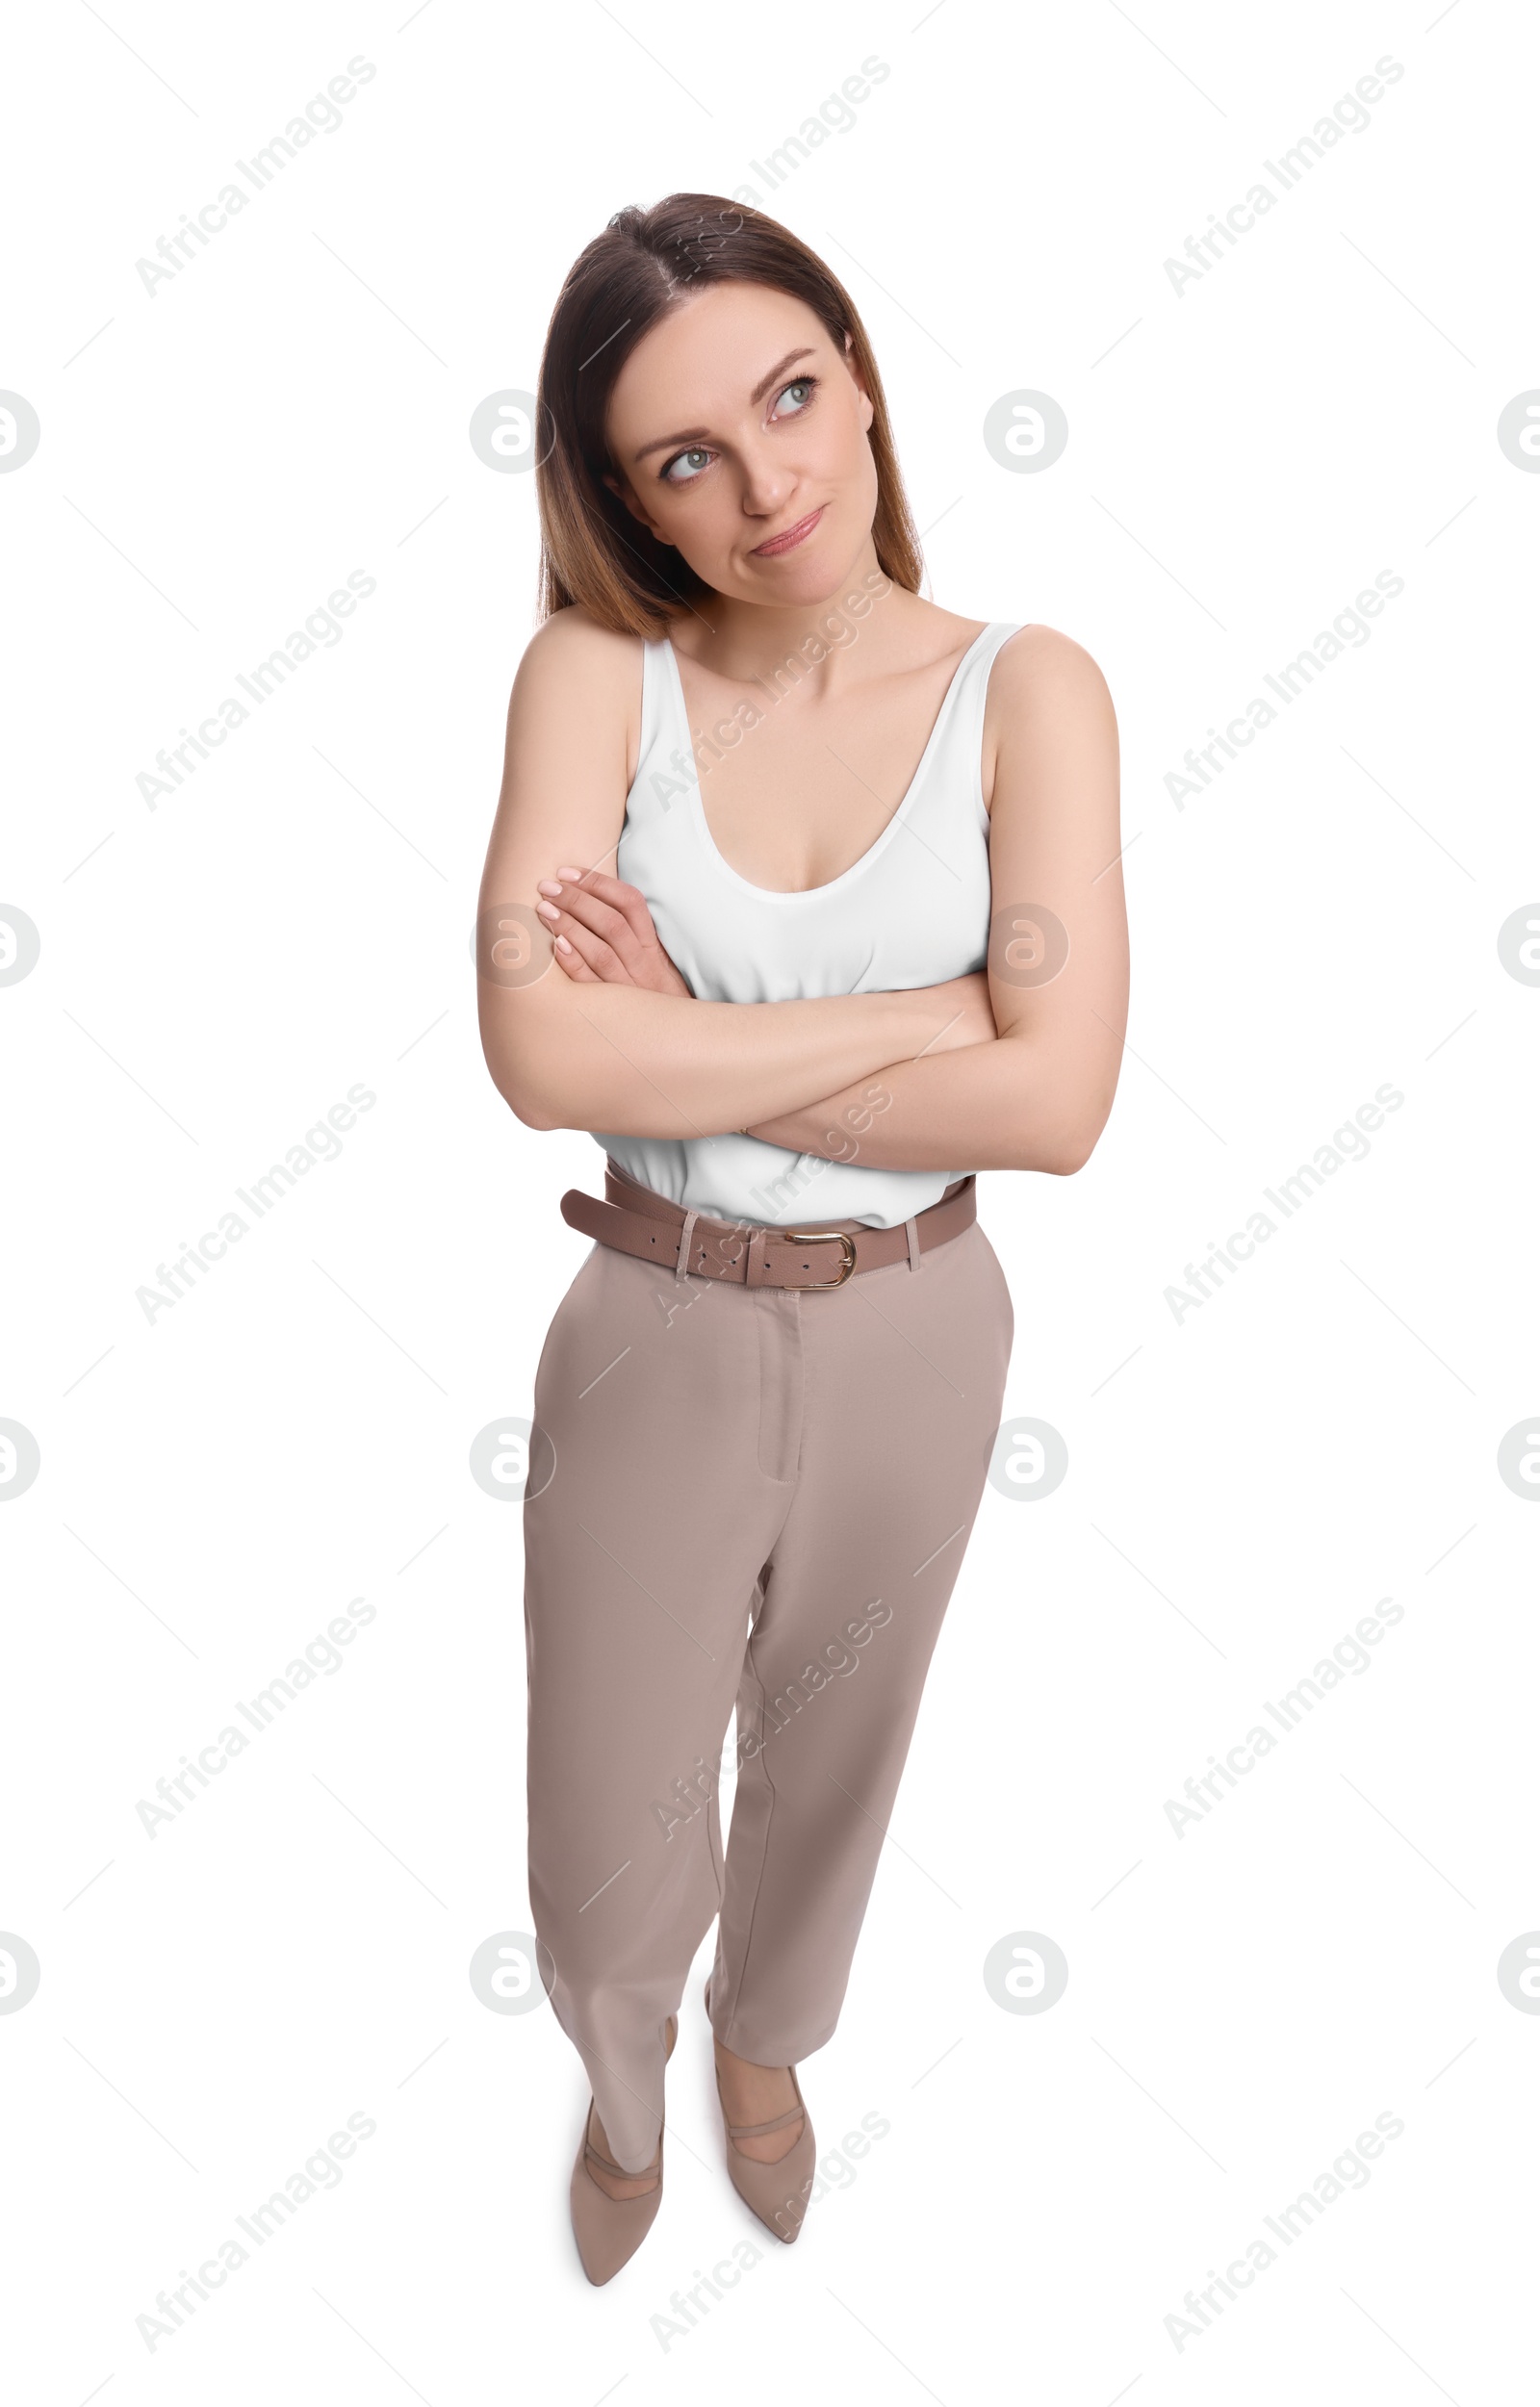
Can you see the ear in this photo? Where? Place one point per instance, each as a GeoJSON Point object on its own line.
{"type": "Point", "coordinates": [852, 369]}
{"type": "Point", "coordinates": [623, 493]}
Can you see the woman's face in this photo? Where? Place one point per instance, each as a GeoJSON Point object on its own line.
{"type": "Point", "coordinates": [736, 421]}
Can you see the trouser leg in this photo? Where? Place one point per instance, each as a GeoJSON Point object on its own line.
{"type": "Point", "coordinates": [903, 1378]}
{"type": "Point", "coordinates": [642, 1550]}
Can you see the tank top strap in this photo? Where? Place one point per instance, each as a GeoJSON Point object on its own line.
{"type": "Point", "coordinates": [976, 676]}
{"type": "Point", "coordinates": [665, 756]}
{"type": "Point", "coordinates": [960, 787]}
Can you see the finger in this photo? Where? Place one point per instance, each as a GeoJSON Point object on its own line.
{"type": "Point", "coordinates": [619, 915]}
{"type": "Point", "coordinates": [590, 948]}
{"type": "Point", "coordinates": [574, 964]}
{"type": "Point", "coordinates": [619, 896]}
{"type": "Point", "coordinates": [585, 910]}
{"type": "Point", "coordinates": [595, 911]}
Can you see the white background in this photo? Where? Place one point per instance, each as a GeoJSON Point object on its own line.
{"type": "Point", "coordinates": [1244, 1483]}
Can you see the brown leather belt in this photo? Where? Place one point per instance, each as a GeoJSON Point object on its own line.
{"type": "Point", "coordinates": [638, 1221]}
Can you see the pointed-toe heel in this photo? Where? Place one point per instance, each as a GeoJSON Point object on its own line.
{"type": "Point", "coordinates": [777, 2194]}
{"type": "Point", "coordinates": [608, 2230]}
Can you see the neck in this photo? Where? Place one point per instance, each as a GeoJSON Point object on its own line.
{"type": "Point", "coordinates": [755, 644]}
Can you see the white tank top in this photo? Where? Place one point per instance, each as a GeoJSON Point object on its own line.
{"type": "Point", "coordinates": [914, 910]}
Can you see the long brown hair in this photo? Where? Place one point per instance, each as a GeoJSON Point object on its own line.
{"type": "Point", "coordinates": [642, 266]}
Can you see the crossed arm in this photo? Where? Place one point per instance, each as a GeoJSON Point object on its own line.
{"type": "Point", "coordinates": [1011, 1068]}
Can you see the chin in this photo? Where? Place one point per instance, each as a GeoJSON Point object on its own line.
{"type": "Point", "coordinates": [800, 588]}
{"type": "Point", "coordinates": [816, 571]}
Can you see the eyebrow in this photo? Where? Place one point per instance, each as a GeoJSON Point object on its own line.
{"type": "Point", "coordinates": [694, 434]}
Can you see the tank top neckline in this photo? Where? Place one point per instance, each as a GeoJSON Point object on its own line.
{"type": "Point", "coordinates": [878, 845]}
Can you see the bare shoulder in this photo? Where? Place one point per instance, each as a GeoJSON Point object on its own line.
{"type": "Point", "coordinates": [582, 682]}
{"type": "Point", "coordinates": [1041, 663]}
{"type": "Point", "coordinates": [570, 654]}
{"type": "Point", "coordinates": [1048, 708]}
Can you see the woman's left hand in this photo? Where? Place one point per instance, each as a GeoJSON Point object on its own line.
{"type": "Point", "coordinates": [603, 932]}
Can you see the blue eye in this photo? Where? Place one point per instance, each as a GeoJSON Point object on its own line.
{"type": "Point", "coordinates": [695, 454]}
{"type": "Point", "coordinates": [805, 385]}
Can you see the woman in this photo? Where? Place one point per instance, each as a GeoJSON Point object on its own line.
{"type": "Point", "coordinates": [803, 972]}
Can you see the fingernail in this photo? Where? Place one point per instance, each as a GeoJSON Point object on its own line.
{"type": "Point", "coordinates": [562, 946]}
{"type": "Point", "coordinates": [548, 910]}
{"type": "Point", "coordinates": [569, 872]}
{"type": "Point", "coordinates": [548, 886]}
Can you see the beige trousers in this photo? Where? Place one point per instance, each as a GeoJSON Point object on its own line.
{"type": "Point", "coordinates": [742, 1497]}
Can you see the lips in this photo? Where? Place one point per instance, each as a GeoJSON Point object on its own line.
{"type": "Point", "coordinates": [774, 545]}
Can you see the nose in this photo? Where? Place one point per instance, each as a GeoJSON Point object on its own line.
{"type": "Point", "coordinates": [768, 481]}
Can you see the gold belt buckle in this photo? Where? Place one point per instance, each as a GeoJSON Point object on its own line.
{"type": "Point", "coordinates": [823, 1237]}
